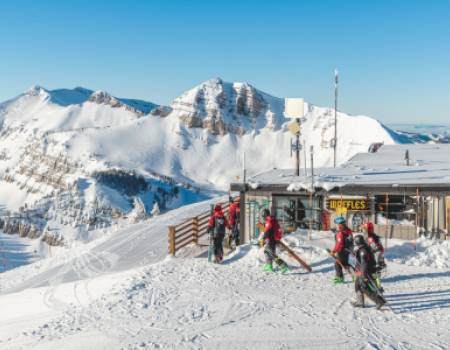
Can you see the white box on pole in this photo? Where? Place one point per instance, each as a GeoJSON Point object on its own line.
{"type": "Point", "coordinates": [294, 107]}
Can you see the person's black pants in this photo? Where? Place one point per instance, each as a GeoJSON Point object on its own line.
{"type": "Point", "coordinates": [218, 246]}
{"type": "Point", "coordinates": [343, 259]}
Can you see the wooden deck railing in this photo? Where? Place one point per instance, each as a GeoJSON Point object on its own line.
{"type": "Point", "coordinates": [191, 230]}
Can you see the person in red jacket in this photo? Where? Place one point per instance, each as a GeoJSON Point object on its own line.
{"type": "Point", "coordinates": [234, 221]}
{"type": "Point", "coordinates": [216, 227]}
{"type": "Point", "coordinates": [342, 248]}
{"type": "Point", "coordinates": [374, 243]}
{"type": "Point", "coordinates": [270, 236]}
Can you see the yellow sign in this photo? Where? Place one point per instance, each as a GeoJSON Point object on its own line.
{"type": "Point", "coordinates": [347, 204]}
{"type": "Point", "coordinates": [342, 211]}
{"type": "Point", "coordinates": [294, 128]}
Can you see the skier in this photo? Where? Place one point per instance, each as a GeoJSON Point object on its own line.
{"type": "Point", "coordinates": [270, 236]}
{"type": "Point", "coordinates": [365, 268]}
{"type": "Point", "coordinates": [377, 248]}
{"type": "Point", "coordinates": [344, 243]}
{"type": "Point", "coordinates": [234, 221]}
{"type": "Point", "coordinates": [216, 228]}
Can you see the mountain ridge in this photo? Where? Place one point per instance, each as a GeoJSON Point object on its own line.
{"type": "Point", "coordinates": [78, 159]}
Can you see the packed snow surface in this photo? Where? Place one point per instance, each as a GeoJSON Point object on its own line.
{"type": "Point", "coordinates": [127, 295]}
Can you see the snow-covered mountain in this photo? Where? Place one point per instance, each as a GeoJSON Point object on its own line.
{"type": "Point", "coordinates": [252, 121]}
{"type": "Point", "coordinates": [78, 158]}
{"type": "Point", "coordinates": [424, 133]}
{"type": "Point", "coordinates": [48, 187]}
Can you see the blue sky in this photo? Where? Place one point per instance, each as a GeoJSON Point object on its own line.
{"type": "Point", "coordinates": [393, 56]}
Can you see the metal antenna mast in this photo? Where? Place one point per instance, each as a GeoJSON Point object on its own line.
{"type": "Point", "coordinates": [336, 78]}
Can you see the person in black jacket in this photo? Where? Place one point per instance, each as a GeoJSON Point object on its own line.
{"type": "Point", "coordinates": [364, 269]}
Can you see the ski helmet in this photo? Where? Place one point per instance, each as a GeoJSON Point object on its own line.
{"type": "Point", "coordinates": [359, 240]}
{"type": "Point", "coordinates": [218, 207]}
{"type": "Point", "coordinates": [339, 220]}
{"type": "Point", "coordinates": [266, 212]}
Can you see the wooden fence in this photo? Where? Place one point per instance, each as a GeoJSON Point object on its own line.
{"type": "Point", "coordinates": [191, 230]}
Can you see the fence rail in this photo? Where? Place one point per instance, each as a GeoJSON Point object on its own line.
{"type": "Point", "coordinates": [190, 230]}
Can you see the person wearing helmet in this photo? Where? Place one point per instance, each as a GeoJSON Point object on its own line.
{"type": "Point", "coordinates": [216, 227]}
{"type": "Point", "coordinates": [344, 243]}
{"type": "Point", "coordinates": [234, 221]}
{"type": "Point", "coordinates": [364, 269]}
{"type": "Point", "coordinates": [270, 235]}
{"type": "Point", "coordinates": [374, 242]}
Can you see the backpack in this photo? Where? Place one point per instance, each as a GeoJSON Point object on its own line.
{"type": "Point", "coordinates": [277, 233]}
{"type": "Point", "coordinates": [374, 243]}
{"type": "Point", "coordinates": [369, 258]}
{"type": "Point", "coordinates": [348, 240]}
{"type": "Point", "coordinates": [219, 226]}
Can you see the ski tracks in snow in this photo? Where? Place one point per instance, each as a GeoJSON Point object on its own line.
{"type": "Point", "coordinates": [192, 304]}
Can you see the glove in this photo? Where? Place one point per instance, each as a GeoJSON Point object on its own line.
{"type": "Point", "coordinates": [333, 253]}
{"type": "Point", "coordinates": [261, 242]}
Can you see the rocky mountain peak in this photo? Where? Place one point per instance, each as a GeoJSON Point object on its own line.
{"type": "Point", "coordinates": [102, 97]}
{"type": "Point", "coordinates": [223, 107]}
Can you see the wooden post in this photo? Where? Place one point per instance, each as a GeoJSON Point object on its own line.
{"type": "Point", "coordinates": [195, 229]}
{"type": "Point", "coordinates": [172, 240]}
{"type": "Point", "coordinates": [417, 218]}
{"type": "Point", "coordinates": [387, 222]}
{"type": "Point", "coordinates": [311, 214]}
{"type": "Point", "coordinates": [242, 233]}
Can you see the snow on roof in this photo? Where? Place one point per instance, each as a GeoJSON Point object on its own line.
{"type": "Point", "coordinates": [429, 165]}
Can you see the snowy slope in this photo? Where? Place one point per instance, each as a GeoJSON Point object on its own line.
{"type": "Point", "coordinates": [192, 304]}
{"type": "Point", "coordinates": [123, 247]}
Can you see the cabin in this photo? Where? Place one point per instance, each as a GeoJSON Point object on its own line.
{"type": "Point", "coordinates": [403, 189]}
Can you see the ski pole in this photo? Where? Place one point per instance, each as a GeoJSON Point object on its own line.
{"type": "Point", "coordinates": [346, 268]}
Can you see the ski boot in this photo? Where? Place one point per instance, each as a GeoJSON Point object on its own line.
{"type": "Point", "coordinates": [338, 280]}
{"type": "Point", "coordinates": [284, 269]}
{"type": "Point", "coordinates": [380, 301]}
{"type": "Point", "coordinates": [359, 302]}
{"type": "Point", "coordinates": [268, 267]}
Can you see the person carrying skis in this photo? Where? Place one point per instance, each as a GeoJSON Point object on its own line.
{"type": "Point", "coordinates": [342, 248]}
{"type": "Point", "coordinates": [270, 235]}
{"type": "Point", "coordinates": [216, 227]}
{"type": "Point", "coordinates": [364, 269]}
{"type": "Point", "coordinates": [234, 221]}
{"type": "Point", "coordinates": [374, 243]}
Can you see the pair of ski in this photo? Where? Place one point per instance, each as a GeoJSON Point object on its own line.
{"type": "Point", "coordinates": [295, 256]}
{"type": "Point", "coordinates": [370, 288]}
{"type": "Point", "coordinates": [289, 251]}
